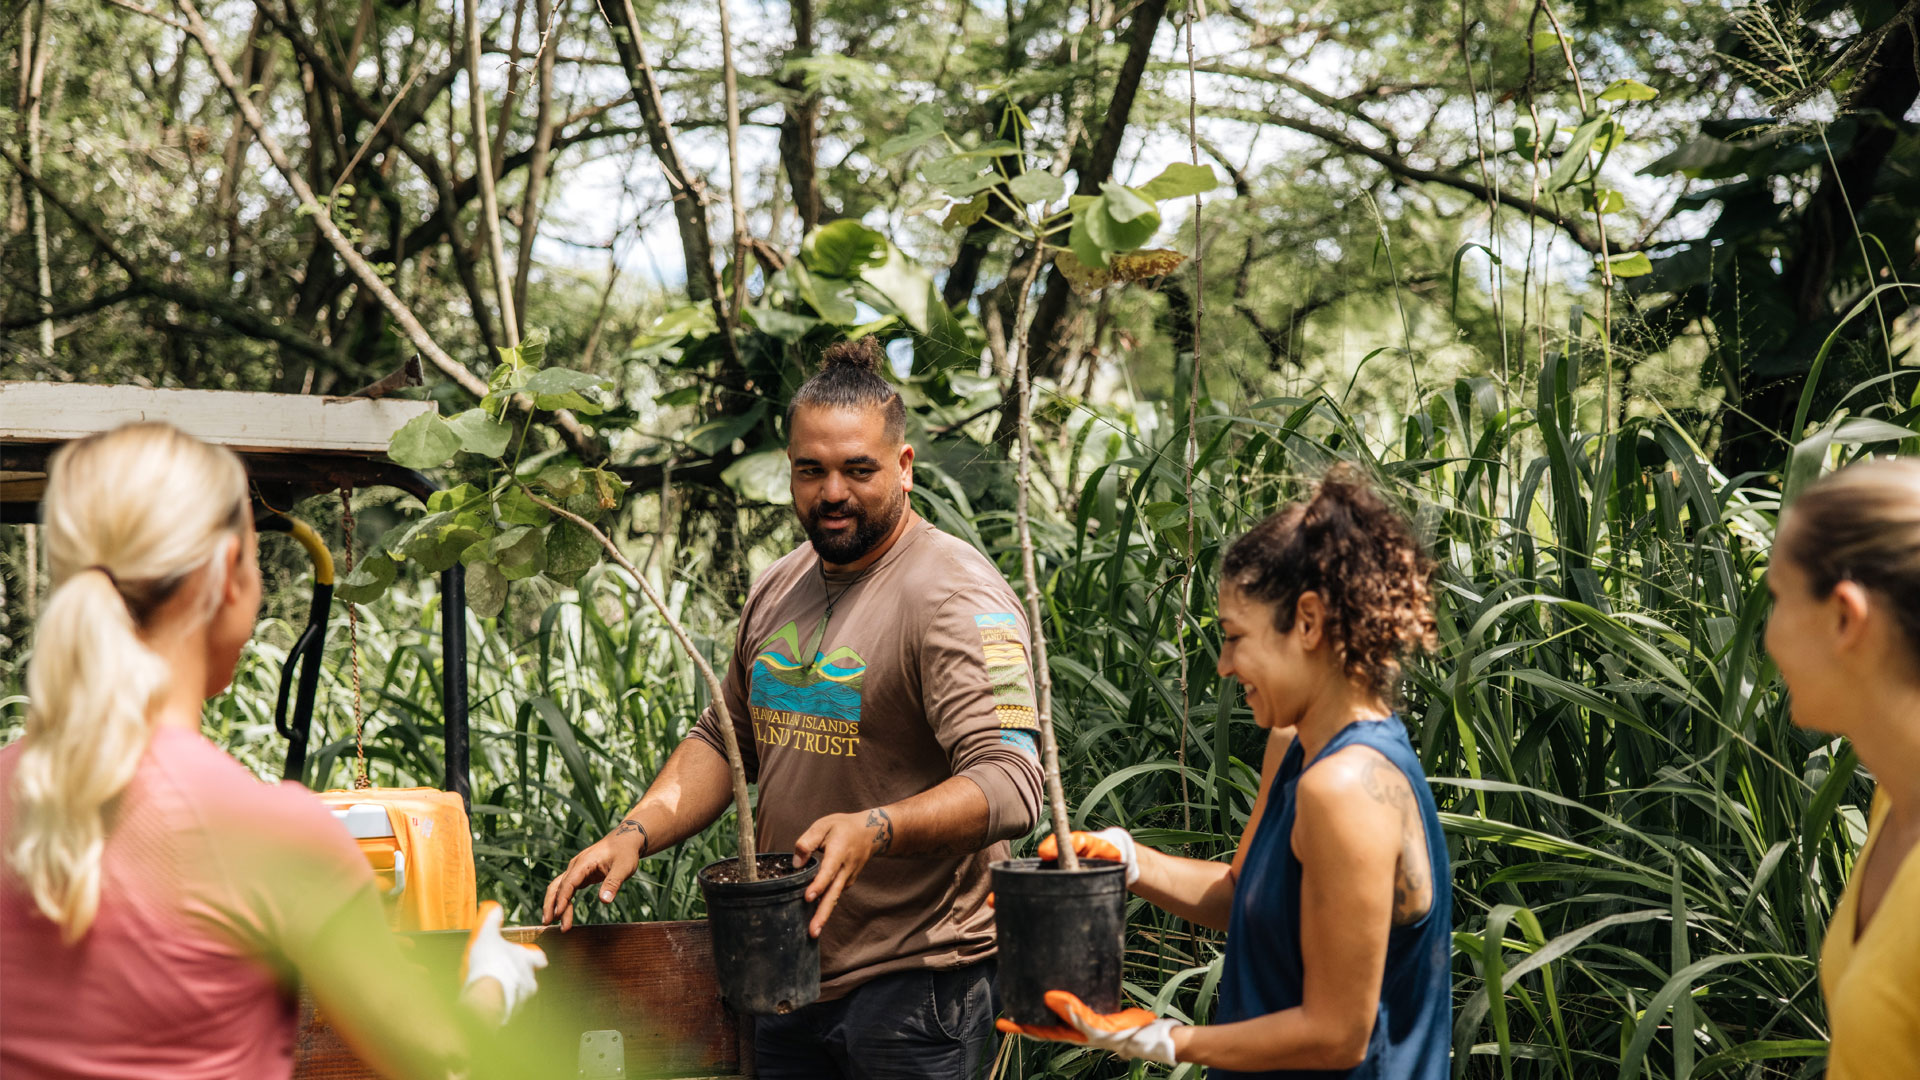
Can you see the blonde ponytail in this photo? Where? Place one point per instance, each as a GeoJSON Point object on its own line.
{"type": "Point", "coordinates": [129, 516]}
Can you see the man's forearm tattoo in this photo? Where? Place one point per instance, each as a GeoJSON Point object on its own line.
{"type": "Point", "coordinates": [882, 822]}
{"type": "Point", "coordinates": [628, 825]}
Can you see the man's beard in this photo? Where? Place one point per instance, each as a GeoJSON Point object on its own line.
{"type": "Point", "coordinates": [867, 532]}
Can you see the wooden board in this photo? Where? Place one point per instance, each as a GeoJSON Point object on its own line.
{"type": "Point", "coordinates": [42, 412]}
{"type": "Point", "coordinates": [652, 982]}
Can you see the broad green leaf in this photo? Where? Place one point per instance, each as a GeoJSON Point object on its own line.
{"type": "Point", "coordinates": [827, 296]}
{"type": "Point", "coordinates": [515, 508]}
{"type": "Point", "coordinates": [1180, 180]}
{"type": "Point", "coordinates": [904, 287]}
{"type": "Point", "coordinates": [716, 435]}
{"type": "Point", "coordinates": [424, 442]}
{"type": "Point", "coordinates": [458, 497]}
{"type": "Point", "coordinates": [761, 477]}
{"type": "Point", "coordinates": [533, 347]}
{"type": "Point", "coordinates": [562, 481]}
{"type": "Point", "coordinates": [1606, 201]}
{"type": "Point", "coordinates": [1544, 40]}
{"type": "Point", "coordinates": [1632, 264]}
{"type": "Point", "coordinates": [1037, 186]}
{"type": "Point", "coordinates": [1629, 90]}
{"type": "Point", "coordinates": [571, 551]}
{"type": "Point", "coordinates": [486, 589]}
{"type": "Point", "coordinates": [843, 248]}
{"type": "Point", "coordinates": [952, 169]}
{"type": "Point", "coordinates": [1125, 204]}
{"type": "Point", "coordinates": [480, 433]}
{"type": "Point", "coordinates": [369, 579]}
{"type": "Point", "coordinates": [784, 325]}
{"type": "Point", "coordinates": [519, 552]}
{"type": "Point", "coordinates": [966, 213]}
{"type": "Point", "coordinates": [924, 122]}
{"type": "Point", "coordinates": [563, 388]}
{"type": "Point", "coordinates": [686, 395]}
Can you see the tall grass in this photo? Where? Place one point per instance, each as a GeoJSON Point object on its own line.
{"type": "Point", "coordinates": [1644, 849]}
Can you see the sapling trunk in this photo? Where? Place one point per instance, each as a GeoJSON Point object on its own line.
{"type": "Point", "coordinates": [1043, 680]}
{"type": "Point", "coordinates": [736, 766]}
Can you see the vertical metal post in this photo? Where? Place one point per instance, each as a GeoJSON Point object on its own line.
{"type": "Point", "coordinates": [453, 679]}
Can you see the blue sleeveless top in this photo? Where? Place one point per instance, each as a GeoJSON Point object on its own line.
{"type": "Point", "coordinates": [1262, 971]}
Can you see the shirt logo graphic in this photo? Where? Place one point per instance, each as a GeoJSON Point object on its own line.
{"type": "Point", "coordinates": [813, 707]}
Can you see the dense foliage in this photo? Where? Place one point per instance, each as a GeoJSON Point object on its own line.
{"type": "Point", "coordinates": [1590, 290]}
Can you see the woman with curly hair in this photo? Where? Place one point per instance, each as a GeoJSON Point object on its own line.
{"type": "Point", "coordinates": [1336, 905]}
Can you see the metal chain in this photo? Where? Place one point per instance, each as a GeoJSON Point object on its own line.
{"type": "Point", "coordinates": [360, 781]}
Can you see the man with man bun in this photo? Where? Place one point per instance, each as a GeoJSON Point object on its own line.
{"type": "Point", "coordinates": [882, 695]}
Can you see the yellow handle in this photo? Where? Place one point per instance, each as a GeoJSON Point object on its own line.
{"type": "Point", "coordinates": [316, 551]}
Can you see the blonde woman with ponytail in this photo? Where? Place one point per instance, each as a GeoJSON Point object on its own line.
{"type": "Point", "coordinates": [1845, 632]}
{"type": "Point", "coordinates": [157, 903]}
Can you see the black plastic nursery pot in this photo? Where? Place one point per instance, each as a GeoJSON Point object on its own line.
{"type": "Point", "coordinates": [767, 962]}
{"type": "Point", "coordinates": [1059, 930]}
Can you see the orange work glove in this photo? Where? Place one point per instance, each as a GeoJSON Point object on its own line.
{"type": "Point", "coordinates": [1113, 845]}
{"type": "Point", "coordinates": [1130, 1033]}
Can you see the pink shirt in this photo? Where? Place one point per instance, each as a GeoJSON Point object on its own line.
{"type": "Point", "coordinates": [213, 886]}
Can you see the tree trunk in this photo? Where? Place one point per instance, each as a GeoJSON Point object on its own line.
{"type": "Point", "coordinates": [799, 128]}
{"type": "Point", "coordinates": [33, 77]}
{"type": "Point", "coordinates": [1094, 170]}
{"type": "Point", "coordinates": [542, 146]}
{"type": "Point", "coordinates": [483, 168]}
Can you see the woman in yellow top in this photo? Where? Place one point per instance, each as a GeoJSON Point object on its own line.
{"type": "Point", "coordinates": [1845, 632]}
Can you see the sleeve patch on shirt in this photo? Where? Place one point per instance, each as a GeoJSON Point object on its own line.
{"type": "Point", "coordinates": [1006, 659]}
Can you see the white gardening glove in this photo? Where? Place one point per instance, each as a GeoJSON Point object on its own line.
{"type": "Point", "coordinates": [1130, 1033]}
{"type": "Point", "coordinates": [1114, 845]}
{"type": "Point", "coordinates": [490, 956]}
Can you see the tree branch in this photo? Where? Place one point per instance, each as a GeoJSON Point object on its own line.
{"type": "Point", "coordinates": [243, 320]}
{"type": "Point", "coordinates": [370, 279]}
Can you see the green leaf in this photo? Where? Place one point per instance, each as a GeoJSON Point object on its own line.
{"type": "Point", "coordinates": [966, 213]}
{"type": "Point", "coordinates": [1180, 180]}
{"type": "Point", "coordinates": [424, 442]}
{"type": "Point", "coordinates": [606, 487]}
{"type": "Point", "coordinates": [716, 435]}
{"type": "Point", "coordinates": [571, 551]}
{"type": "Point", "coordinates": [761, 477]}
{"type": "Point", "coordinates": [519, 552]}
{"type": "Point", "coordinates": [458, 497]}
{"type": "Point", "coordinates": [533, 347]}
{"type": "Point", "coordinates": [1632, 264]}
{"type": "Point", "coordinates": [784, 325]}
{"type": "Point", "coordinates": [843, 248]}
{"type": "Point", "coordinates": [1096, 236]}
{"type": "Point", "coordinates": [563, 388]}
{"type": "Point", "coordinates": [904, 287]}
{"type": "Point", "coordinates": [827, 296]}
{"type": "Point", "coordinates": [952, 169]}
{"type": "Point", "coordinates": [1575, 158]}
{"type": "Point", "coordinates": [486, 589]}
{"type": "Point", "coordinates": [1605, 200]}
{"type": "Point", "coordinates": [515, 508]}
{"type": "Point", "coordinates": [562, 481]}
{"type": "Point", "coordinates": [686, 395]}
{"type": "Point", "coordinates": [1629, 90]}
{"type": "Point", "coordinates": [1544, 40]}
{"type": "Point", "coordinates": [480, 433]}
{"type": "Point", "coordinates": [369, 579]}
{"type": "Point", "coordinates": [1037, 186]}
{"type": "Point", "coordinates": [924, 122]}
{"type": "Point", "coordinates": [1124, 204]}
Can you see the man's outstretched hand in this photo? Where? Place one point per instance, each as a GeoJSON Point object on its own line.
{"type": "Point", "coordinates": [844, 842]}
{"type": "Point", "coordinates": [1130, 1033]}
{"type": "Point", "coordinates": [612, 860]}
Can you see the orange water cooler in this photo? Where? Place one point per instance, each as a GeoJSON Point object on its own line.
{"type": "Point", "coordinates": [417, 841]}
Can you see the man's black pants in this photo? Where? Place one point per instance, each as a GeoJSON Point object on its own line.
{"type": "Point", "coordinates": [910, 1025]}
